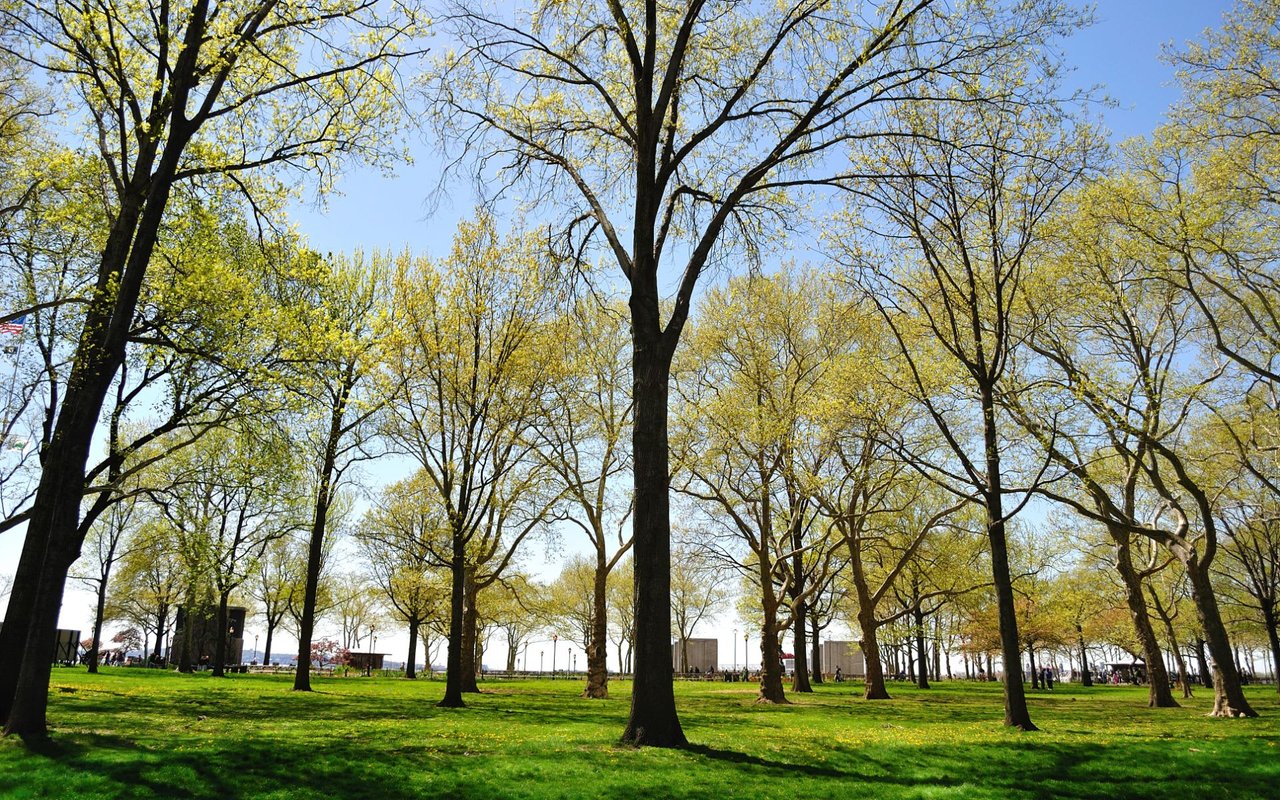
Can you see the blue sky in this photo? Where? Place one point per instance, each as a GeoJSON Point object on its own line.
{"type": "Point", "coordinates": [1121, 52]}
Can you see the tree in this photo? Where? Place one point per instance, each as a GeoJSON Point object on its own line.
{"type": "Point", "coordinates": [568, 604]}
{"type": "Point", "coordinates": [402, 538]}
{"type": "Point", "coordinates": [967, 189]}
{"type": "Point", "coordinates": [758, 360]}
{"type": "Point", "coordinates": [228, 94]}
{"type": "Point", "coordinates": [356, 604]}
{"type": "Point", "coordinates": [111, 541]}
{"type": "Point", "coordinates": [227, 497]}
{"type": "Point", "coordinates": [878, 513]}
{"type": "Point", "coordinates": [622, 612]}
{"type": "Point", "coordinates": [147, 586]}
{"type": "Point", "coordinates": [340, 350]}
{"type": "Point", "coordinates": [582, 438]}
{"type": "Point", "coordinates": [697, 591]}
{"type": "Point", "coordinates": [1228, 119]}
{"type": "Point", "coordinates": [468, 356]}
{"type": "Point", "coordinates": [1252, 550]}
{"type": "Point", "coordinates": [515, 611]}
{"type": "Point", "coordinates": [1124, 367]}
{"type": "Point", "coordinates": [278, 584]}
{"type": "Point", "coordinates": [679, 134]}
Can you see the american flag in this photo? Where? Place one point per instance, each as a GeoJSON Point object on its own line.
{"type": "Point", "coordinates": [13, 325]}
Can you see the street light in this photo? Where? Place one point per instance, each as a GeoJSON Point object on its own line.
{"type": "Point", "coordinates": [368, 664]}
{"type": "Point", "coordinates": [575, 662]}
{"type": "Point", "coordinates": [255, 647]}
{"type": "Point", "coordinates": [746, 654]}
{"type": "Point", "coordinates": [540, 654]}
{"type": "Point", "coordinates": [554, 638]}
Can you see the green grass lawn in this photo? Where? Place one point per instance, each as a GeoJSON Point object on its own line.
{"type": "Point", "coordinates": [133, 733]}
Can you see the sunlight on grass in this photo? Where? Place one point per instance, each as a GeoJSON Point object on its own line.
{"type": "Point", "coordinates": [129, 733]}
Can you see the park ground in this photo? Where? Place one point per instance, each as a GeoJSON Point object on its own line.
{"type": "Point", "coordinates": [132, 733]}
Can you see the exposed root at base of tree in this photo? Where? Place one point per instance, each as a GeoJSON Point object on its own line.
{"type": "Point", "coordinates": [762, 700]}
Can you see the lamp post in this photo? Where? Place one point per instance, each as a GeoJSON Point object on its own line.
{"type": "Point", "coordinates": [540, 654]}
{"type": "Point", "coordinates": [575, 662]}
{"type": "Point", "coordinates": [368, 664]}
{"type": "Point", "coordinates": [554, 639]}
{"type": "Point", "coordinates": [372, 649]}
{"type": "Point", "coordinates": [746, 654]}
{"type": "Point", "coordinates": [255, 647]}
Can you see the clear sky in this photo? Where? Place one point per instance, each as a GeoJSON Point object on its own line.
{"type": "Point", "coordinates": [1120, 52]}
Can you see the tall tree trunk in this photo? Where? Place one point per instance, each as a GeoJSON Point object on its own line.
{"type": "Point", "coordinates": [1031, 661]}
{"type": "Point", "coordinates": [453, 669]}
{"type": "Point", "coordinates": [99, 610]}
{"type": "Point", "coordinates": [161, 618]}
{"type": "Point", "coordinates": [937, 650]}
{"type": "Point", "coordinates": [815, 652]}
{"type": "Point", "coordinates": [54, 537]}
{"type": "Point", "coordinates": [875, 687]}
{"type": "Point", "coordinates": [220, 628]}
{"type": "Point", "coordinates": [653, 719]}
{"type": "Point", "coordinates": [1202, 664]}
{"type": "Point", "coordinates": [799, 611]}
{"type": "Point", "coordinates": [470, 627]}
{"type": "Point", "coordinates": [1016, 713]}
{"type": "Point", "coordinates": [266, 653]}
{"type": "Point", "coordinates": [922, 656]}
{"type": "Point", "coordinates": [800, 675]}
{"type": "Point", "coordinates": [1086, 677]}
{"type": "Point", "coordinates": [1228, 695]}
{"type": "Point", "coordinates": [1160, 695]}
{"type": "Point", "coordinates": [597, 656]}
{"type": "Point", "coordinates": [770, 664]}
{"type": "Point", "coordinates": [315, 549]}
{"type": "Point", "coordinates": [411, 665]}
{"type": "Point", "coordinates": [1273, 638]}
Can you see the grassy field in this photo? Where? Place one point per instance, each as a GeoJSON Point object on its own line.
{"type": "Point", "coordinates": [132, 733]}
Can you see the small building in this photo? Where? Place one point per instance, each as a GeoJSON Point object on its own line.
{"type": "Point", "coordinates": [364, 661]}
{"type": "Point", "coordinates": [845, 655]}
{"type": "Point", "coordinates": [203, 638]}
{"type": "Point", "coordinates": [702, 653]}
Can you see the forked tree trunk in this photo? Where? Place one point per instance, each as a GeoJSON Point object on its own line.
{"type": "Point", "coordinates": [1167, 620]}
{"type": "Point", "coordinates": [1202, 664]}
